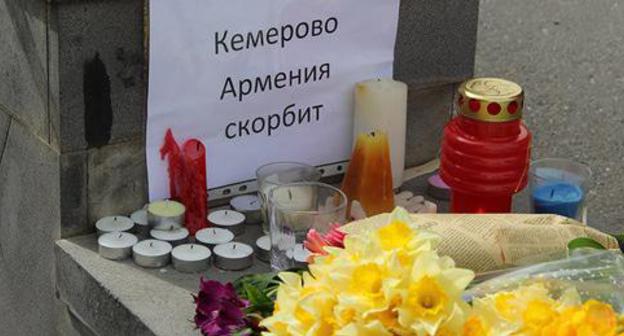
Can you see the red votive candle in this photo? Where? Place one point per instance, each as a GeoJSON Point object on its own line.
{"type": "Point", "coordinates": [486, 148]}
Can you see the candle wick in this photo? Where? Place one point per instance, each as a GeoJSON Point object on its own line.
{"type": "Point", "coordinates": [197, 145]}
{"type": "Point", "coordinates": [372, 133]}
{"type": "Point", "coordinates": [214, 232]}
{"type": "Point", "coordinates": [233, 246]}
{"type": "Point", "coordinates": [226, 212]}
{"type": "Point", "coordinates": [290, 194]}
{"type": "Point", "coordinates": [552, 193]}
{"type": "Point", "coordinates": [115, 218]}
{"type": "Point", "coordinates": [119, 235]}
{"type": "Point", "coordinates": [151, 244]}
{"type": "Point", "coordinates": [192, 246]}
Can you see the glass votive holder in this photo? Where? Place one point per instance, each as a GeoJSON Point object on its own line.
{"type": "Point", "coordinates": [274, 174]}
{"type": "Point", "coordinates": [296, 208]}
{"type": "Point", "coordinates": [559, 186]}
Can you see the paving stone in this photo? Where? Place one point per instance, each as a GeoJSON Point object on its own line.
{"type": "Point", "coordinates": [74, 207]}
{"type": "Point", "coordinates": [102, 82]}
{"type": "Point", "coordinates": [23, 88]}
{"type": "Point", "coordinates": [429, 111]}
{"type": "Point", "coordinates": [436, 41]}
{"type": "Point", "coordinates": [117, 180]}
{"type": "Point", "coordinates": [29, 204]}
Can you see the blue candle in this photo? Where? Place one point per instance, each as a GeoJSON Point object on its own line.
{"type": "Point", "coordinates": [561, 198]}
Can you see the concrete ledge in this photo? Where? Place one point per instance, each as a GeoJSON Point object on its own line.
{"type": "Point", "coordinates": [114, 298]}
{"type": "Point", "coordinates": [120, 298]}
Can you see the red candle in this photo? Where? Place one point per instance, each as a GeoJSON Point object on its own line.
{"type": "Point", "coordinates": [196, 200]}
{"type": "Point", "coordinates": [187, 179]}
{"type": "Point", "coordinates": [486, 148]}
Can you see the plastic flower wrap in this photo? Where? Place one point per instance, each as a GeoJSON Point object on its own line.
{"type": "Point", "coordinates": [581, 295]}
{"type": "Point", "coordinates": [388, 281]}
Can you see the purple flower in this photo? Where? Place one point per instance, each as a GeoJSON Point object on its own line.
{"type": "Point", "coordinates": [219, 310]}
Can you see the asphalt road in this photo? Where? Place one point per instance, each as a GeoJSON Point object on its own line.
{"type": "Point", "coordinates": [569, 57]}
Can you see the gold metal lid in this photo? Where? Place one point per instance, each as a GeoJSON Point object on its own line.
{"type": "Point", "coordinates": [490, 99]}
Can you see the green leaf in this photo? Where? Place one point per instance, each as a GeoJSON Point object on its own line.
{"type": "Point", "coordinates": [259, 302]}
{"type": "Point", "coordinates": [584, 242]}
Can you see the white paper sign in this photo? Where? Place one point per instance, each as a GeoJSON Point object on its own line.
{"type": "Point", "coordinates": [261, 81]}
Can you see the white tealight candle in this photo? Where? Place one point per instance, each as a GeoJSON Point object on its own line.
{"type": "Point", "coordinates": [263, 248]}
{"type": "Point", "coordinates": [214, 236]}
{"type": "Point", "coordinates": [228, 219]}
{"type": "Point", "coordinates": [191, 258]}
{"type": "Point", "coordinates": [116, 245]}
{"type": "Point", "coordinates": [141, 226]}
{"type": "Point", "coordinates": [152, 253]}
{"type": "Point", "coordinates": [248, 205]}
{"type": "Point", "coordinates": [233, 256]}
{"type": "Point", "coordinates": [300, 254]}
{"type": "Point", "coordinates": [114, 224]}
{"type": "Point", "coordinates": [163, 215]}
{"type": "Point", "coordinates": [175, 237]}
{"type": "Point", "coordinates": [381, 104]}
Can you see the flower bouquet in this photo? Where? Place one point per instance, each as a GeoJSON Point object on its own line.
{"type": "Point", "coordinates": [391, 281]}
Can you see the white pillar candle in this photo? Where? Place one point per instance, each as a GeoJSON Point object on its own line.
{"type": "Point", "coordinates": [152, 253]}
{"type": "Point", "coordinates": [263, 248]}
{"type": "Point", "coordinates": [214, 236]}
{"type": "Point", "coordinates": [114, 224]}
{"type": "Point", "coordinates": [166, 214]}
{"type": "Point", "coordinates": [381, 104]}
{"type": "Point", "coordinates": [233, 256]}
{"type": "Point", "coordinates": [116, 245]}
{"type": "Point", "coordinates": [174, 237]}
{"type": "Point", "coordinates": [228, 219]}
{"type": "Point", "coordinates": [248, 205]}
{"type": "Point", "coordinates": [191, 258]}
{"type": "Point", "coordinates": [141, 225]}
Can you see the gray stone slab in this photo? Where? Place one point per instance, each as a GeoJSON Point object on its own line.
{"type": "Point", "coordinates": [189, 281]}
{"type": "Point", "coordinates": [23, 88]}
{"type": "Point", "coordinates": [429, 111]}
{"type": "Point", "coordinates": [74, 183]}
{"type": "Point", "coordinates": [5, 121]}
{"type": "Point", "coordinates": [29, 204]}
{"type": "Point", "coordinates": [436, 41]}
{"type": "Point", "coordinates": [102, 82]}
{"type": "Point", "coordinates": [117, 180]}
{"type": "Point", "coordinates": [114, 298]}
{"type": "Point", "coordinates": [569, 56]}
{"type": "Point", "coordinates": [53, 81]}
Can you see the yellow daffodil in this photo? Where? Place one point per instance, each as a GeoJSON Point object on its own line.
{"type": "Point", "coordinates": [391, 282]}
{"type": "Point", "coordinates": [432, 293]}
{"type": "Point", "coordinates": [388, 281]}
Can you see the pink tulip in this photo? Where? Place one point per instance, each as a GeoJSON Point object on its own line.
{"type": "Point", "coordinates": [315, 241]}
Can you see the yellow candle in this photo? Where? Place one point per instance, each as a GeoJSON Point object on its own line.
{"type": "Point", "coordinates": [381, 104]}
{"type": "Point", "coordinates": [369, 177]}
{"type": "Point", "coordinates": [166, 208]}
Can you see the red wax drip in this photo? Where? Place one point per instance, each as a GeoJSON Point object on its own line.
{"type": "Point", "coordinates": [187, 179]}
